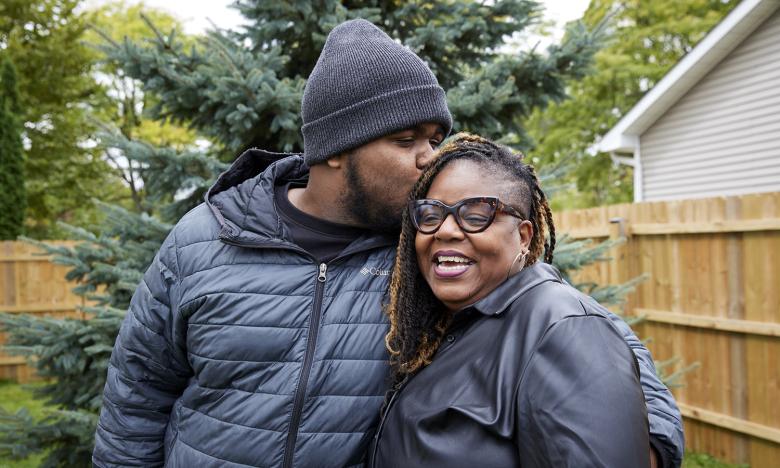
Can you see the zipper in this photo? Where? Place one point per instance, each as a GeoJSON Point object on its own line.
{"type": "Point", "coordinates": [311, 343]}
{"type": "Point", "coordinates": [314, 323]}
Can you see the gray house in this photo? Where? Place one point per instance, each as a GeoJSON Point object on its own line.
{"type": "Point", "coordinates": [711, 126]}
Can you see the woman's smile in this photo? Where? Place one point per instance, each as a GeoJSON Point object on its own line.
{"type": "Point", "coordinates": [450, 263]}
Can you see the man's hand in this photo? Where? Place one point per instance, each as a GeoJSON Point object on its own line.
{"type": "Point", "coordinates": [653, 458]}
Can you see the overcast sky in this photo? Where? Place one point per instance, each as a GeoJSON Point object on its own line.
{"type": "Point", "coordinates": [195, 14]}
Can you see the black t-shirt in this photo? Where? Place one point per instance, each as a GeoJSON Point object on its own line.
{"type": "Point", "coordinates": [323, 239]}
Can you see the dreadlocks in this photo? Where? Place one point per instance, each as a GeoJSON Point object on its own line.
{"type": "Point", "coordinates": [418, 320]}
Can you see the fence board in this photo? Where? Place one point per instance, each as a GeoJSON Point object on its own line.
{"type": "Point", "coordinates": [30, 283]}
{"type": "Point", "coordinates": [730, 423]}
{"type": "Point", "coordinates": [716, 323]}
{"type": "Point", "coordinates": [712, 297]}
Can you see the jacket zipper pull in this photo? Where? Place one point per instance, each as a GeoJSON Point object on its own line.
{"type": "Point", "coordinates": [323, 269]}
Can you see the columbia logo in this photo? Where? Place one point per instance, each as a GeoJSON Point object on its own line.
{"type": "Point", "coordinates": [365, 271]}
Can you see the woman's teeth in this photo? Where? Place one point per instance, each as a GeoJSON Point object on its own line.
{"type": "Point", "coordinates": [450, 263]}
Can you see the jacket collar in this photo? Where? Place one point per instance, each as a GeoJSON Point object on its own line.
{"type": "Point", "coordinates": [242, 201]}
{"type": "Point", "coordinates": [515, 286]}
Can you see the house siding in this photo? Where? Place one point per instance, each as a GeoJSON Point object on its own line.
{"type": "Point", "coordinates": [723, 136]}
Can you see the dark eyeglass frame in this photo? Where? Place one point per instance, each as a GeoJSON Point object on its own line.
{"type": "Point", "coordinates": [494, 203]}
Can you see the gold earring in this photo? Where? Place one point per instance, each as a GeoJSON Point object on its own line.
{"type": "Point", "coordinates": [524, 254]}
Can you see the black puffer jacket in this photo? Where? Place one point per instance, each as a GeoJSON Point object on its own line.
{"type": "Point", "coordinates": [240, 350]}
{"type": "Point", "coordinates": [533, 375]}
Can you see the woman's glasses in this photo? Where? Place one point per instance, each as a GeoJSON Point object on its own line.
{"type": "Point", "coordinates": [472, 214]}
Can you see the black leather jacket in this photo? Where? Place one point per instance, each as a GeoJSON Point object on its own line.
{"type": "Point", "coordinates": [535, 374]}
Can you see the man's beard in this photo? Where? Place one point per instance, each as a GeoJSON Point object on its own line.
{"type": "Point", "coordinates": [367, 206]}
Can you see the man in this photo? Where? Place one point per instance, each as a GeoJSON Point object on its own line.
{"type": "Point", "coordinates": [257, 336]}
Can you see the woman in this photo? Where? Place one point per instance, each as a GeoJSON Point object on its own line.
{"type": "Point", "coordinates": [497, 361]}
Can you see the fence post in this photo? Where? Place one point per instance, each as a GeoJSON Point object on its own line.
{"type": "Point", "coordinates": [8, 285]}
{"type": "Point", "coordinates": [618, 266]}
{"type": "Point", "coordinates": [736, 310]}
{"type": "Point", "coordinates": [8, 297]}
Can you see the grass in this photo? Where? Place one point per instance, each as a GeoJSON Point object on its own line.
{"type": "Point", "coordinates": [701, 460]}
{"type": "Point", "coordinates": [14, 396]}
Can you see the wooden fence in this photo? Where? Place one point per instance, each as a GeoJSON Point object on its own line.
{"type": "Point", "coordinates": [30, 283]}
{"type": "Point", "coordinates": [712, 297]}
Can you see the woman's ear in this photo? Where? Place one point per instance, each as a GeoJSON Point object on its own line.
{"type": "Point", "coordinates": [526, 230]}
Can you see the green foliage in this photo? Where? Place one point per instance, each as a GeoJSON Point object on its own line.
{"type": "Point", "coordinates": [14, 397]}
{"type": "Point", "coordinates": [108, 262]}
{"type": "Point", "coordinates": [701, 460]}
{"type": "Point", "coordinates": [74, 353]}
{"type": "Point", "coordinates": [646, 39]}
{"type": "Point", "coordinates": [64, 345]}
{"type": "Point", "coordinates": [122, 109]}
{"type": "Point", "coordinates": [63, 173]}
{"type": "Point", "coordinates": [244, 89]}
{"type": "Point", "coordinates": [13, 199]}
{"type": "Point", "coordinates": [18, 399]}
{"type": "Point", "coordinates": [673, 378]}
{"type": "Point", "coordinates": [60, 434]}
{"type": "Point", "coordinates": [174, 180]}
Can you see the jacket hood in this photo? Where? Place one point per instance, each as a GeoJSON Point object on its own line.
{"type": "Point", "coordinates": [242, 198]}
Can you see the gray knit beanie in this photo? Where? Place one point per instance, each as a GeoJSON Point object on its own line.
{"type": "Point", "coordinates": [364, 86]}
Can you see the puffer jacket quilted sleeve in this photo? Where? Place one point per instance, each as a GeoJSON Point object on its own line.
{"type": "Point", "coordinates": [147, 372]}
{"type": "Point", "coordinates": [666, 431]}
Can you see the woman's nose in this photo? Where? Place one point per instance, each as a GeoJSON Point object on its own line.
{"type": "Point", "coordinates": [449, 229]}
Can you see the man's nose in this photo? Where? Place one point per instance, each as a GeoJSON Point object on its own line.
{"type": "Point", "coordinates": [425, 155]}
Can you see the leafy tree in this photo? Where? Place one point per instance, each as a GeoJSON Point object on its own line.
{"type": "Point", "coordinates": [124, 101]}
{"type": "Point", "coordinates": [646, 40]}
{"type": "Point", "coordinates": [44, 40]}
{"type": "Point", "coordinates": [13, 200]}
{"type": "Point", "coordinates": [241, 89]}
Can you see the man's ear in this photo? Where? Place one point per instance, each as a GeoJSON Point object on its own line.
{"type": "Point", "coordinates": [337, 162]}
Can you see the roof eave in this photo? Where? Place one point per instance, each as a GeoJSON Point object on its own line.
{"type": "Point", "coordinates": [723, 38]}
